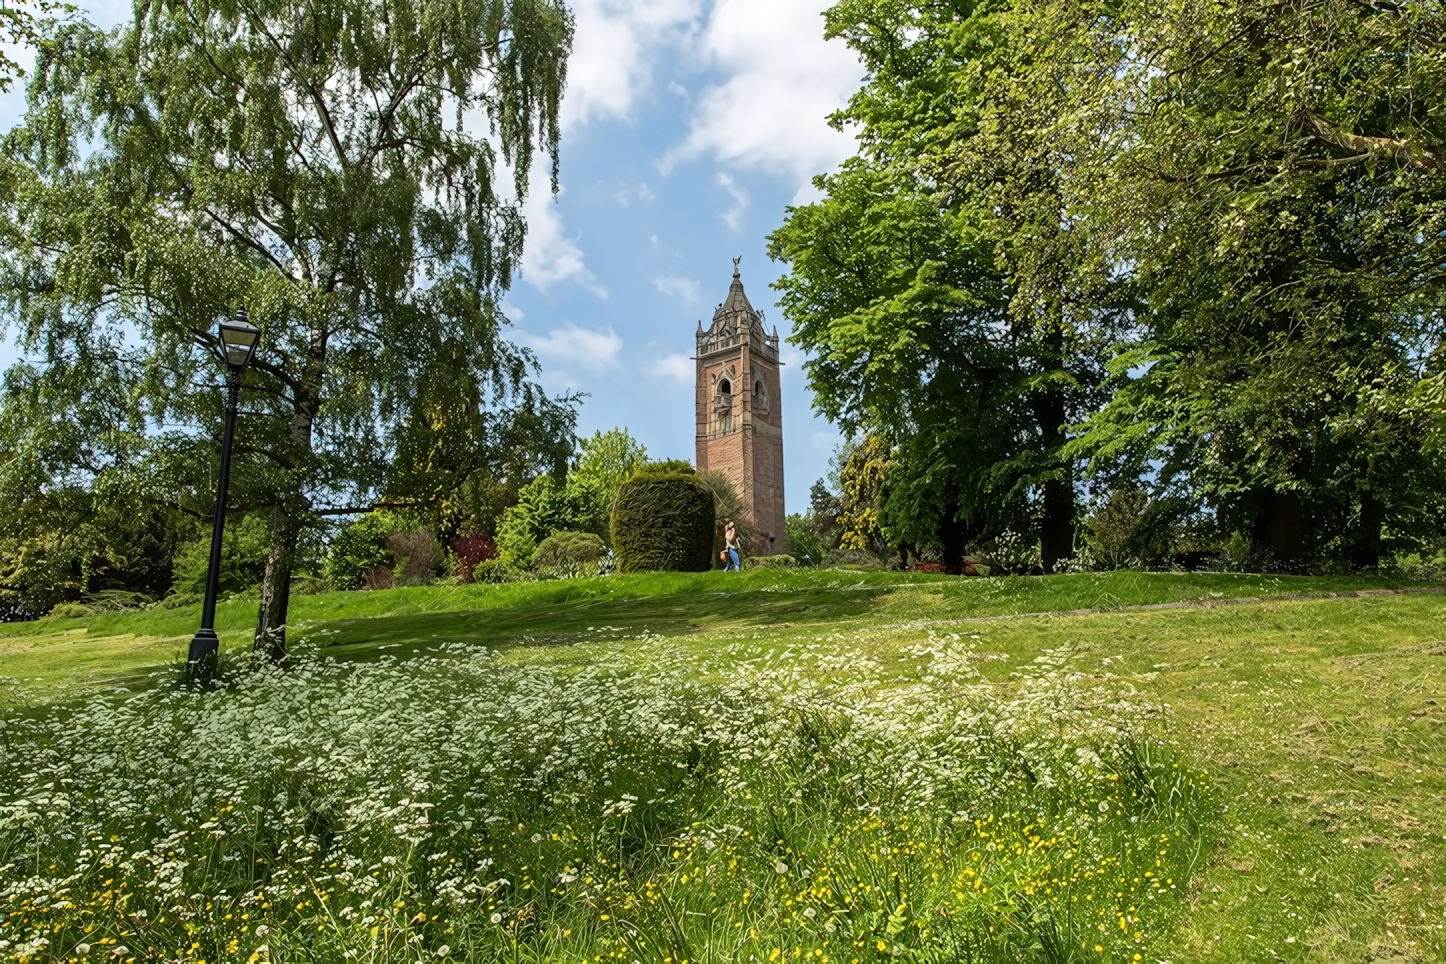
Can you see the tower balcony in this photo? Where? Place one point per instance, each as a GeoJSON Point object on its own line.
{"type": "Point", "coordinates": [765, 345]}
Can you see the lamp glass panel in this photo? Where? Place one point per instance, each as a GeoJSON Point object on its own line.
{"type": "Point", "coordinates": [239, 339]}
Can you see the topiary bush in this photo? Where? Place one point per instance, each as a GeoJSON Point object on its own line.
{"type": "Point", "coordinates": [662, 521]}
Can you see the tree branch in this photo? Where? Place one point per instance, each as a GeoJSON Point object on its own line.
{"type": "Point", "coordinates": [1427, 158]}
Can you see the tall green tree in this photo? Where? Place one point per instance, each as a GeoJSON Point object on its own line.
{"type": "Point", "coordinates": [1274, 176]}
{"type": "Point", "coordinates": [341, 170]}
{"type": "Point", "coordinates": [944, 292]}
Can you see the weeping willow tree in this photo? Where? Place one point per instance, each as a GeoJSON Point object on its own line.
{"type": "Point", "coordinates": [351, 173]}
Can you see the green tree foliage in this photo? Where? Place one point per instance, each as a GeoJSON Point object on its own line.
{"type": "Point", "coordinates": [944, 302]}
{"type": "Point", "coordinates": [24, 23]}
{"type": "Point", "coordinates": [71, 531]}
{"type": "Point", "coordinates": [604, 462]}
{"type": "Point", "coordinates": [243, 558]}
{"type": "Point", "coordinates": [663, 521]}
{"type": "Point", "coordinates": [337, 168]}
{"type": "Point", "coordinates": [544, 506]}
{"type": "Point", "coordinates": [359, 546]}
{"type": "Point", "coordinates": [1205, 240]}
{"type": "Point", "coordinates": [812, 535]}
{"type": "Point", "coordinates": [581, 503]}
{"type": "Point", "coordinates": [1276, 189]}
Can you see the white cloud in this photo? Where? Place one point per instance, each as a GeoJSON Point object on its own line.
{"type": "Point", "coordinates": [549, 255]}
{"type": "Point", "coordinates": [676, 366]}
{"type": "Point", "coordinates": [613, 50]}
{"type": "Point", "coordinates": [573, 346]}
{"type": "Point", "coordinates": [734, 213]}
{"type": "Point", "coordinates": [783, 81]}
{"type": "Point", "coordinates": [683, 289]}
{"type": "Point", "coordinates": [642, 194]}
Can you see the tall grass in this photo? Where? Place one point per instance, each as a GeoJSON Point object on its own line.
{"type": "Point", "coordinates": [635, 804]}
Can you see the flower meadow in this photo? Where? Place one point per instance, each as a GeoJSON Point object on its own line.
{"type": "Point", "coordinates": [634, 801]}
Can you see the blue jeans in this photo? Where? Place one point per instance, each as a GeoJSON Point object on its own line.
{"type": "Point", "coordinates": [732, 565]}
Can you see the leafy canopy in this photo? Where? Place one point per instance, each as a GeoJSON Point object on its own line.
{"type": "Point", "coordinates": [351, 172]}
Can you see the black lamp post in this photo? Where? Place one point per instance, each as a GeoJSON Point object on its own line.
{"type": "Point", "coordinates": [238, 339]}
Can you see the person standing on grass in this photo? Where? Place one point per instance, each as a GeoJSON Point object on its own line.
{"type": "Point", "coordinates": [732, 551]}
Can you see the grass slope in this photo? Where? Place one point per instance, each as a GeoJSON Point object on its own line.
{"type": "Point", "coordinates": [1319, 724]}
{"type": "Point", "coordinates": [70, 657]}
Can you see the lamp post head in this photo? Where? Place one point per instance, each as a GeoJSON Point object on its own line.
{"type": "Point", "coordinates": [238, 338]}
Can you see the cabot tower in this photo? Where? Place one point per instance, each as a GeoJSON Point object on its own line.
{"type": "Point", "coordinates": [740, 411]}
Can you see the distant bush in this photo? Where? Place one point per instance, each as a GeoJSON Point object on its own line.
{"type": "Point", "coordinates": [544, 506]}
{"type": "Point", "coordinates": [663, 521]}
{"type": "Point", "coordinates": [180, 600]}
{"type": "Point", "coordinates": [936, 568]}
{"type": "Point", "coordinates": [860, 559]}
{"type": "Point", "coordinates": [780, 561]}
{"type": "Point", "coordinates": [496, 571]}
{"type": "Point", "coordinates": [309, 585]}
{"type": "Point", "coordinates": [359, 548]}
{"type": "Point", "coordinates": [243, 558]}
{"type": "Point", "coordinates": [581, 549]}
{"type": "Point", "coordinates": [469, 550]}
{"type": "Point", "coordinates": [1015, 554]}
{"type": "Point", "coordinates": [418, 557]}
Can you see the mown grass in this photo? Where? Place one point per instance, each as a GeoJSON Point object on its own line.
{"type": "Point", "coordinates": [1311, 735]}
{"type": "Point", "coordinates": [64, 658]}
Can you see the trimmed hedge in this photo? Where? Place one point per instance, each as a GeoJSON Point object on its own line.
{"type": "Point", "coordinates": [663, 521]}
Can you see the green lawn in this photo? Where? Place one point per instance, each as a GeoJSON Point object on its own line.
{"type": "Point", "coordinates": [68, 657]}
{"type": "Point", "coordinates": [1316, 727]}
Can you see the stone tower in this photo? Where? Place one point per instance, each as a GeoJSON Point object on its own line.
{"type": "Point", "coordinates": [740, 410]}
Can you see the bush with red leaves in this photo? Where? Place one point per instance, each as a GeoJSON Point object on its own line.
{"type": "Point", "coordinates": [471, 549]}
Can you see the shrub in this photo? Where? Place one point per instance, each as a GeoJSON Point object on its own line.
{"type": "Point", "coordinates": [469, 550]}
{"type": "Point", "coordinates": [563, 549]}
{"type": "Point", "coordinates": [543, 507]}
{"type": "Point", "coordinates": [1014, 554]}
{"type": "Point", "coordinates": [663, 520]}
{"type": "Point", "coordinates": [359, 548]}
{"type": "Point", "coordinates": [495, 571]}
{"type": "Point", "coordinates": [98, 604]}
{"type": "Point", "coordinates": [859, 559]}
{"type": "Point", "coordinates": [810, 537]}
{"type": "Point", "coordinates": [418, 557]}
{"type": "Point", "coordinates": [728, 505]}
{"type": "Point", "coordinates": [243, 558]}
{"type": "Point", "coordinates": [780, 561]}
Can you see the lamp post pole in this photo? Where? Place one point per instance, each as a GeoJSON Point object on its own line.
{"type": "Point", "coordinates": [238, 339]}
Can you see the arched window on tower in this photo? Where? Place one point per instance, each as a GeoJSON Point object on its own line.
{"type": "Point", "coordinates": [760, 397]}
{"type": "Point", "coordinates": [723, 406]}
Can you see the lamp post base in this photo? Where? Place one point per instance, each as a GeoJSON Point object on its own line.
{"type": "Point", "coordinates": [205, 648]}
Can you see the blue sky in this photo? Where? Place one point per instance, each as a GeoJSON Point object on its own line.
{"type": "Point", "coordinates": [688, 127]}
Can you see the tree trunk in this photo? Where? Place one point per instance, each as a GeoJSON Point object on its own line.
{"type": "Point", "coordinates": [1056, 528]}
{"type": "Point", "coordinates": [290, 509]}
{"type": "Point", "coordinates": [276, 585]}
{"type": "Point", "coordinates": [1368, 540]}
{"type": "Point", "coordinates": [1277, 529]}
{"type": "Point", "coordinates": [951, 536]}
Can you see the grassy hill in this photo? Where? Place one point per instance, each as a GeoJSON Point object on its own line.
{"type": "Point", "coordinates": [1091, 767]}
